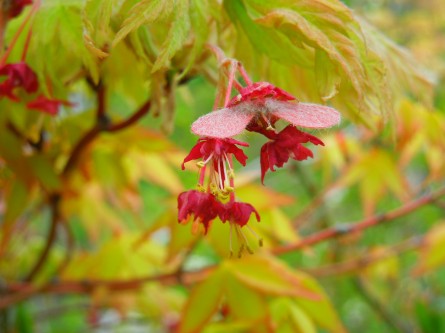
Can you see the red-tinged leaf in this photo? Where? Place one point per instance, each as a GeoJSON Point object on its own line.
{"type": "Point", "coordinates": [269, 276]}
{"type": "Point", "coordinates": [432, 254]}
{"type": "Point", "coordinates": [202, 303]}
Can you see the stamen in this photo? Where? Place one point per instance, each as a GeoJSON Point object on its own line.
{"type": "Point", "coordinates": [208, 159]}
{"type": "Point", "coordinates": [230, 240]}
{"type": "Point", "coordinates": [221, 182]}
{"type": "Point", "coordinates": [202, 174]}
{"type": "Point", "coordinates": [226, 160]}
{"type": "Point", "coordinates": [260, 240]}
{"type": "Point", "coordinates": [243, 240]}
{"type": "Point", "coordinates": [269, 125]}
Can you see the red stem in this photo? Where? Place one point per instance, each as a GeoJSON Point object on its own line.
{"type": "Point", "coordinates": [334, 232]}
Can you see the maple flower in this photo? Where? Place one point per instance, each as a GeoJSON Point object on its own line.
{"type": "Point", "coordinates": [262, 103]}
{"type": "Point", "coordinates": [47, 105]}
{"type": "Point", "coordinates": [18, 75]}
{"type": "Point", "coordinates": [238, 214]}
{"type": "Point", "coordinates": [284, 145]}
{"type": "Point", "coordinates": [218, 152]}
{"type": "Point", "coordinates": [203, 207]}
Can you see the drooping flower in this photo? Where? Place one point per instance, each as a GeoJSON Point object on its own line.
{"type": "Point", "coordinates": [284, 145]}
{"type": "Point", "coordinates": [256, 108]}
{"type": "Point", "coordinates": [218, 152]}
{"type": "Point", "coordinates": [18, 75]}
{"type": "Point", "coordinates": [238, 213]}
{"type": "Point", "coordinates": [263, 103]}
{"type": "Point", "coordinates": [47, 105]}
{"type": "Point", "coordinates": [200, 206]}
{"type": "Point", "coordinates": [216, 149]}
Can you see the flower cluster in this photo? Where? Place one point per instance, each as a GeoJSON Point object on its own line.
{"type": "Point", "coordinates": [256, 108]}
{"type": "Point", "coordinates": [16, 78]}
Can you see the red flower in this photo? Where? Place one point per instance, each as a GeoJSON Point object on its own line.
{"type": "Point", "coordinates": [16, 7]}
{"type": "Point", "coordinates": [18, 75]}
{"type": "Point", "coordinates": [47, 105]}
{"type": "Point", "coordinates": [202, 206]}
{"type": "Point", "coordinates": [238, 213]}
{"type": "Point", "coordinates": [265, 103]}
{"type": "Point", "coordinates": [284, 145]}
{"type": "Point", "coordinates": [216, 149]}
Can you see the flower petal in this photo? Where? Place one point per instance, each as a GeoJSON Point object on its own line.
{"type": "Point", "coordinates": [222, 123]}
{"type": "Point", "coordinates": [304, 114]}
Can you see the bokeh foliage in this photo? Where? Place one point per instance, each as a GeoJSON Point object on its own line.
{"type": "Point", "coordinates": [119, 257]}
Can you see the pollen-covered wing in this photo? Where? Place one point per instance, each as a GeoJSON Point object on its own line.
{"type": "Point", "coordinates": [305, 114]}
{"type": "Point", "coordinates": [222, 123]}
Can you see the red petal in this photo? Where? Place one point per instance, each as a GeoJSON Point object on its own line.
{"type": "Point", "coordinates": [238, 213]}
{"type": "Point", "coordinates": [47, 105]}
{"type": "Point", "coordinates": [194, 154]}
{"type": "Point", "coordinates": [18, 75]}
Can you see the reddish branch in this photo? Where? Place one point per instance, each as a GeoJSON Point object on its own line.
{"type": "Point", "coordinates": [98, 128]}
{"type": "Point", "coordinates": [55, 214]}
{"type": "Point", "coordinates": [101, 125]}
{"type": "Point", "coordinates": [352, 265]}
{"type": "Point", "coordinates": [20, 291]}
{"type": "Point", "coordinates": [341, 230]}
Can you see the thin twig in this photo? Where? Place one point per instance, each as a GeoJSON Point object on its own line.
{"type": "Point", "coordinates": [359, 263]}
{"type": "Point", "coordinates": [351, 228]}
{"type": "Point", "coordinates": [92, 134]}
{"type": "Point", "coordinates": [54, 206]}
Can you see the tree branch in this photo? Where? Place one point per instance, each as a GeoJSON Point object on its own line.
{"type": "Point", "coordinates": [99, 127]}
{"type": "Point", "coordinates": [350, 228]}
{"type": "Point", "coordinates": [66, 287]}
{"type": "Point", "coordinates": [361, 262]}
{"type": "Point", "coordinates": [54, 205]}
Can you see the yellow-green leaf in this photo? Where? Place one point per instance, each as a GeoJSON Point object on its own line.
{"type": "Point", "coordinates": [269, 276]}
{"type": "Point", "coordinates": [202, 303]}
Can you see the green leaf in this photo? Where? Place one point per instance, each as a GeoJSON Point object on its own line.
{"type": "Point", "coordinates": [289, 317]}
{"type": "Point", "coordinates": [23, 319]}
{"type": "Point", "coordinates": [143, 12]}
{"type": "Point", "coordinates": [177, 35]}
{"type": "Point", "coordinates": [202, 303]}
{"type": "Point", "coordinates": [44, 172]}
{"type": "Point", "coordinates": [199, 13]}
{"type": "Point", "coordinates": [265, 40]}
